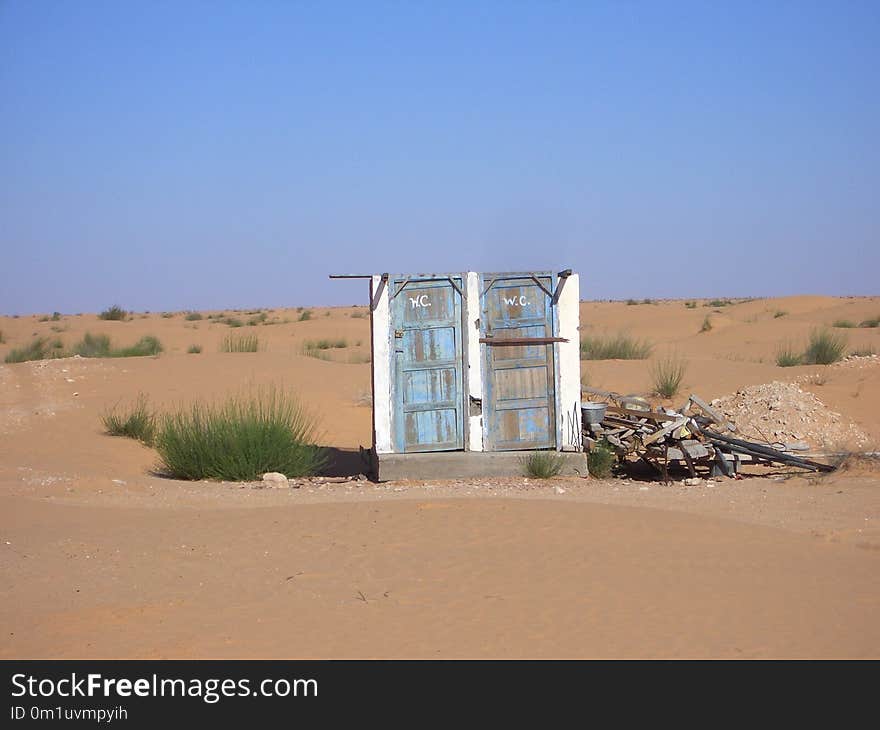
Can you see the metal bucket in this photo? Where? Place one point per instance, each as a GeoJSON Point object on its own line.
{"type": "Point", "coordinates": [593, 412]}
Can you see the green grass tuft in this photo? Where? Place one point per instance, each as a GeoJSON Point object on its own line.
{"type": "Point", "coordinates": [875, 322]}
{"type": "Point", "coordinates": [863, 352]}
{"type": "Point", "coordinates": [667, 374]}
{"type": "Point", "coordinates": [240, 343]}
{"type": "Point", "coordinates": [542, 464]}
{"type": "Point", "coordinates": [305, 315]}
{"type": "Point", "coordinates": [240, 439]}
{"type": "Point", "coordinates": [194, 349]}
{"type": "Point", "coordinates": [779, 313]}
{"type": "Point", "coordinates": [193, 316]}
{"type": "Point", "coordinates": [137, 422]}
{"type": "Point", "coordinates": [39, 349]}
{"type": "Point", "coordinates": [843, 324]}
{"type": "Point", "coordinates": [707, 324]}
{"type": "Point", "coordinates": [114, 313]}
{"type": "Point", "coordinates": [600, 460]}
{"type": "Point", "coordinates": [690, 305]}
{"type": "Point", "coordinates": [100, 346]}
{"type": "Point", "coordinates": [787, 356]}
{"type": "Point", "coordinates": [258, 319]}
{"type": "Point", "coordinates": [825, 347]}
{"type": "Point", "coordinates": [325, 344]}
{"type": "Point", "coordinates": [718, 303]}
{"type": "Point", "coordinates": [614, 347]}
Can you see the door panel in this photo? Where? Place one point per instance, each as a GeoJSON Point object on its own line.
{"type": "Point", "coordinates": [427, 412]}
{"type": "Point", "coordinates": [519, 410]}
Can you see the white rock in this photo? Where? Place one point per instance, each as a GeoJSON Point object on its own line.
{"type": "Point", "coordinates": [274, 479]}
{"type": "Point", "coordinates": [560, 490]}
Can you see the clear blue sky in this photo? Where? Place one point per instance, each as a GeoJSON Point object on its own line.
{"type": "Point", "coordinates": [168, 155]}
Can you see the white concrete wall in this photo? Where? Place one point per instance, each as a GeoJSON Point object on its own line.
{"type": "Point", "coordinates": [568, 398]}
{"type": "Point", "coordinates": [474, 374]}
{"type": "Point", "coordinates": [382, 349]}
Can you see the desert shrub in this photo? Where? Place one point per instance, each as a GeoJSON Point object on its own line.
{"type": "Point", "coordinates": [167, 315]}
{"type": "Point", "coordinates": [233, 322]}
{"type": "Point", "coordinates": [358, 315]}
{"type": "Point", "coordinates": [667, 374]}
{"type": "Point", "coordinates": [825, 347]}
{"type": "Point", "coordinates": [614, 347]}
{"type": "Point", "coordinates": [240, 343]}
{"type": "Point", "coordinates": [56, 316]}
{"type": "Point", "coordinates": [718, 303]}
{"type": "Point", "coordinates": [779, 313]}
{"type": "Point", "coordinates": [194, 349]}
{"type": "Point", "coordinates": [193, 316]}
{"type": "Point", "coordinates": [136, 422]}
{"type": "Point", "coordinates": [93, 346]}
{"type": "Point", "coordinates": [240, 439]}
{"type": "Point", "coordinates": [325, 344]}
{"type": "Point", "coordinates": [2, 338]}
{"type": "Point", "coordinates": [843, 323]}
{"type": "Point", "coordinates": [787, 356]}
{"type": "Point", "coordinates": [100, 346]}
{"type": "Point", "coordinates": [632, 302]}
{"type": "Point", "coordinates": [875, 322]}
{"type": "Point", "coordinates": [258, 319]}
{"type": "Point", "coordinates": [600, 460]}
{"type": "Point", "coordinates": [39, 349]}
{"type": "Point", "coordinates": [690, 305]}
{"type": "Point", "coordinates": [305, 315]}
{"type": "Point", "coordinates": [542, 464]}
{"type": "Point", "coordinates": [115, 312]}
{"type": "Point", "coordinates": [707, 324]}
{"type": "Point", "coordinates": [647, 301]}
{"type": "Point", "coordinates": [145, 346]}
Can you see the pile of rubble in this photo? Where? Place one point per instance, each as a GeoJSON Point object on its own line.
{"type": "Point", "coordinates": [783, 413]}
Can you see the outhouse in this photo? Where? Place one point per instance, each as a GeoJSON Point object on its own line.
{"type": "Point", "coordinates": [470, 370]}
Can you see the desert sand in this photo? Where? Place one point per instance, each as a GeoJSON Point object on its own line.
{"type": "Point", "coordinates": [102, 557]}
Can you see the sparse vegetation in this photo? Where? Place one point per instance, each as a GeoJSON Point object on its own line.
{"type": "Point", "coordinates": [113, 313]}
{"type": "Point", "coordinates": [240, 439]}
{"type": "Point", "coordinates": [138, 422]}
{"type": "Point", "coordinates": [258, 319]}
{"type": "Point", "coordinates": [542, 464]}
{"type": "Point", "coordinates": [194, 349]}
{"type": "Point", "coordinates": [825, 347]}
{"type": "Point", "coordinates": [875, 322]}
{"type": "Point", "coordinates": [325, 344]}
{"type": "Point", "coordinates": [843, 324]}
{"type": "Point", "coordinates": [233, 322]}
{"type": "Point", "coordinates": [193, 316]}
{"type": "Point", "coordinates": [690, 305]}
{"type": "Point", "coordinates": [718, 303]}
{"type": "Point", "coordinates": [240, 343]}
{"type": "Point", "coordinates": [305, 315]}
{"type": "Point", "coordinates": [779, 313]}
{"type": "Point", "coordinates": [632, 302]}
{"type": "Point", "coordinates": [2, 338]}
{"type": "Point", "coordinates": [38, 349]}
{"type": "Point", "coordinates": [707, 324]}
{"type": "Point", "coordinates": [100, 346]}
{"type": "Point", "coordinates": [358, 315]}
{"type": "Point", "coordinates": [787, 356]}
{"type": "Point", "coordinates": [600, 460]}
{"type": "Point", "coordinates": [667, 374]}
{"type": "Point", "coordinates": [614, 347]}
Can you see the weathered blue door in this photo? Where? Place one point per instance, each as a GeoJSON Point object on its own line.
{"type": "Point", "coordinates": [519, 395]}
{"type": "Point", "coordinates": [427, 411]}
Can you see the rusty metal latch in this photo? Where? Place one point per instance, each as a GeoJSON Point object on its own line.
{"type": "Point", "coordinates": [398, 333]}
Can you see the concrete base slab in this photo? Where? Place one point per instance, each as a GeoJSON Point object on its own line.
{"type": "Point", "coordinates": [466, 464]}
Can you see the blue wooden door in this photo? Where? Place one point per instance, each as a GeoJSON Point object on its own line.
{"type": "Point", "coordinates": [427, 411]}
{"type": "Point", "coordinates": [519, 399]}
